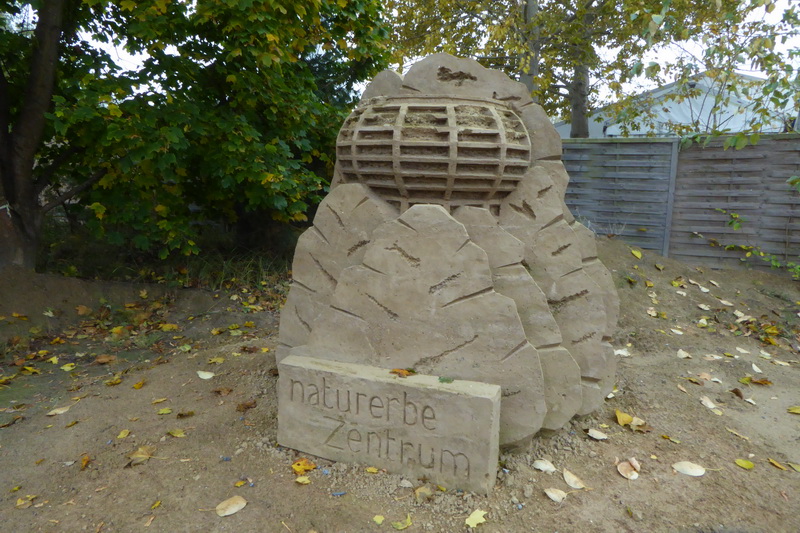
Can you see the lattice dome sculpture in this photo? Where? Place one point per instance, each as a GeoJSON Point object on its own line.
{"type": "Point", "coordinates": [452, 152]}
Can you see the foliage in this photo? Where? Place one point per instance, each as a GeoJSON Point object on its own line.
{"type": "Point", "coordinates": [562, 44]}
{"type": "Point", "coordinates": [735, 221]}
{"type": "Point", "coordinates": [235, 108]}
{"type": "Point", "coordinates": [750, 34]}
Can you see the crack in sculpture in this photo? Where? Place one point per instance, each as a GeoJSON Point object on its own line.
{"type": "Point", "coordinates": [303, 286]}
{"type": "Point", "coordinates": [515, 350]}
{"type": "Point", "coordinates": [392, 314]}
{"type": "Point", "coordinates": [346, 312]}
{"type": "Point", "coordinates": [322, 268]}
{"type": "Point", "coordinates": [557, 304]}
{"type": "Point", "coordinates": [300, 318]}
{"type": "Point", "coordinates": [560, 249]}
{"type": "Point", "coordinates": [336, 216]}
{"type": "Point", "coordinates": [353, 249]}
{"type": "Point", "coordinates": [525, 209]}
{"type": "Point", "coordinates": [321, 235]}
{"type": "Point", "coordinates": [463, 299]}
{"type": "Point", "coordinates": [544, 191]}
{"type": "Point", "coordinates": [413, 261]}
{"type": "Point", "coordinates": [584, 338]}
{"type": "Point", "coordinates": [432, 360]}
{"type": "Point", "coordinates": [442, 284]}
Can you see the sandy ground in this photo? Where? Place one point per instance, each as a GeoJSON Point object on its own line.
{"type": "Point", "coordinates": [120, 366]}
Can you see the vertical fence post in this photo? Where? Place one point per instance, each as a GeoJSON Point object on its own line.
{"type": "Point", "coordinates": [673, 172]}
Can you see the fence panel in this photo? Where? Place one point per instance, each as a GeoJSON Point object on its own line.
{"type": "Point", "coordinates": [622, 187]}
{"type": "Point", "coordinates": [657, 197]}
{"type": "Point", "coordinates": [750, 182]}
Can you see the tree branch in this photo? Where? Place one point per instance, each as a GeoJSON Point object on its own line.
{"type": "Point", "coordinates": [46, 176]}
{"type": "Point", "coordinates": [94, 178]}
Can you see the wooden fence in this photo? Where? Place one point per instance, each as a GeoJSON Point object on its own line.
{"type": "Point", "coordinates": [659, 197]}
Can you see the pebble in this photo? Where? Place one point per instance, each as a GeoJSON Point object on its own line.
{"type": "Point", "coordinates": [406, 484]}
{"type": "Point", "coordinates": [527, 492]}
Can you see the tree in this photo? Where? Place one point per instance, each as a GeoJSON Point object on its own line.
{"type": "Point", "coordinates": [564, 50]}
{"type": "Point", "coordinates": [235, 107]}
{"type": "Point", "coordinates": [703, 68]}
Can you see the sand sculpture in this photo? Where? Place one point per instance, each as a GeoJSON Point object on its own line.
{"type": "Point", "coordinates": [445, 246]}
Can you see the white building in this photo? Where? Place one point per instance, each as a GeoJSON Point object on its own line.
{"type": "Point", "coordinates": [689, 108]}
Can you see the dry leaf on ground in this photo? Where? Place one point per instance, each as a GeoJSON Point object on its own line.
{"type": "Point", "coordinates": [688, 468]}
{"type": "Point", "coordinates": [231, 506]}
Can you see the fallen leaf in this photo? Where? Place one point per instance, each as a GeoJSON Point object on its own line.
{"type": "Point", "coordinates": [139, 384]}
{"type": "Point", "coordinates": [378, 519]}
{"type": "Point", "coordinates": [683, 354]}
{"type": "Point", "coordinates": [164, 411]}
{"type": "Point", "coordinates": [795, 409]}
{"type": "Point", "coordinates": [652, 312]}
{"type": "Point", "coordinates": [404, 524]}
{"type": "Point", "coordinates": [636, 253]}
{"type": "Point", "coordinates": [185, 414]}
{"type": "Point", "coordinates": [222, 391]}
{"type": "Point", "coordinates": [303, 465]}
{"type": "Point", "coordinates": [544, 465]}
{"type": "Point", "coordinates": [762, 381]}
{"type": "Point", "coordinates": [85, 460]}
{"type": "Point", "coordinates": [557, 495]}
{"type": "Point", "coordinates": [104, 359]}
{"type": "Point", "coordinates": [230, 506]}
{"type": "Point", "coordinates": [124, 433]}
{"type": "Point", "coordinates": [422, 493]}
{"type": "Point", "coordinates": [169, 327]}
{"type": "Point", "coordinates": [158, 400]}
{"type": "Point", "coordinates": [82, 310]}
{"type": "Point", "coordinates": [69, 367]}
{"type": "Point", "coordinates": [403, 373]}
{"type": "Point", "coordinates": [244, 406]}
{"type": "Point", "coordinates": [116, 380]}
{"type": "Point", "coordinates": [202, 374]}
{"type": "Point", "coordinates": [623, 419]}
{"type": "Point", "coordinates": [372, 470]}
{"type": "Point", "coordinates": [216, 360]}
{"type": "Point", "coordinates": [177, 433]}
{"type": "Point", "coordinates": [597, 434]}
{"type": "Point", "coordinates": [477, 517]}
{"type": "Point", "coordinates": [156, 505]}
{"type": "Point", "coordinates": [704, 307]}
{"type": "Point", "coordinates": [627, 470]}
{"type": "Point", "coordinates": [744, 463]}
{"type": "Point", "coordinates": [676, 331]}
{"type": "Point", "coordinates": [141, 455]}
{"type": "Point", "coordinates": [776, 464]}
{"type": "Point", "coordinates": [795, 466]}
{"type": "Point", "coordinates": [726, 302]}
{"type": "Point", "coordinates": [572, 480]}
{"type": "Point", "coordinates": [756, 369]}
{"type": "Point", "coordinates": [59, 410]}
{"type": "Point", "coordinates": [72, 423]}
{"type": "Point", "coordinates": [302, 480]}
{"type": "Point", "coordinates": [738, 393]}
{"type": "Point", "coordinates": [689, 468]}
{"type": "Point", "coordinates": [705, 400]}
{"type": "Point", "coordinates": [738, 434]}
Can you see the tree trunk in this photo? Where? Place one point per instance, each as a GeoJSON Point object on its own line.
{"type": "Point", "coordinates": [579, 102]}
{"type": "Point", "coordinates": [531, 78]}
{"type": "Point", "coordinates": [19, 142]}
